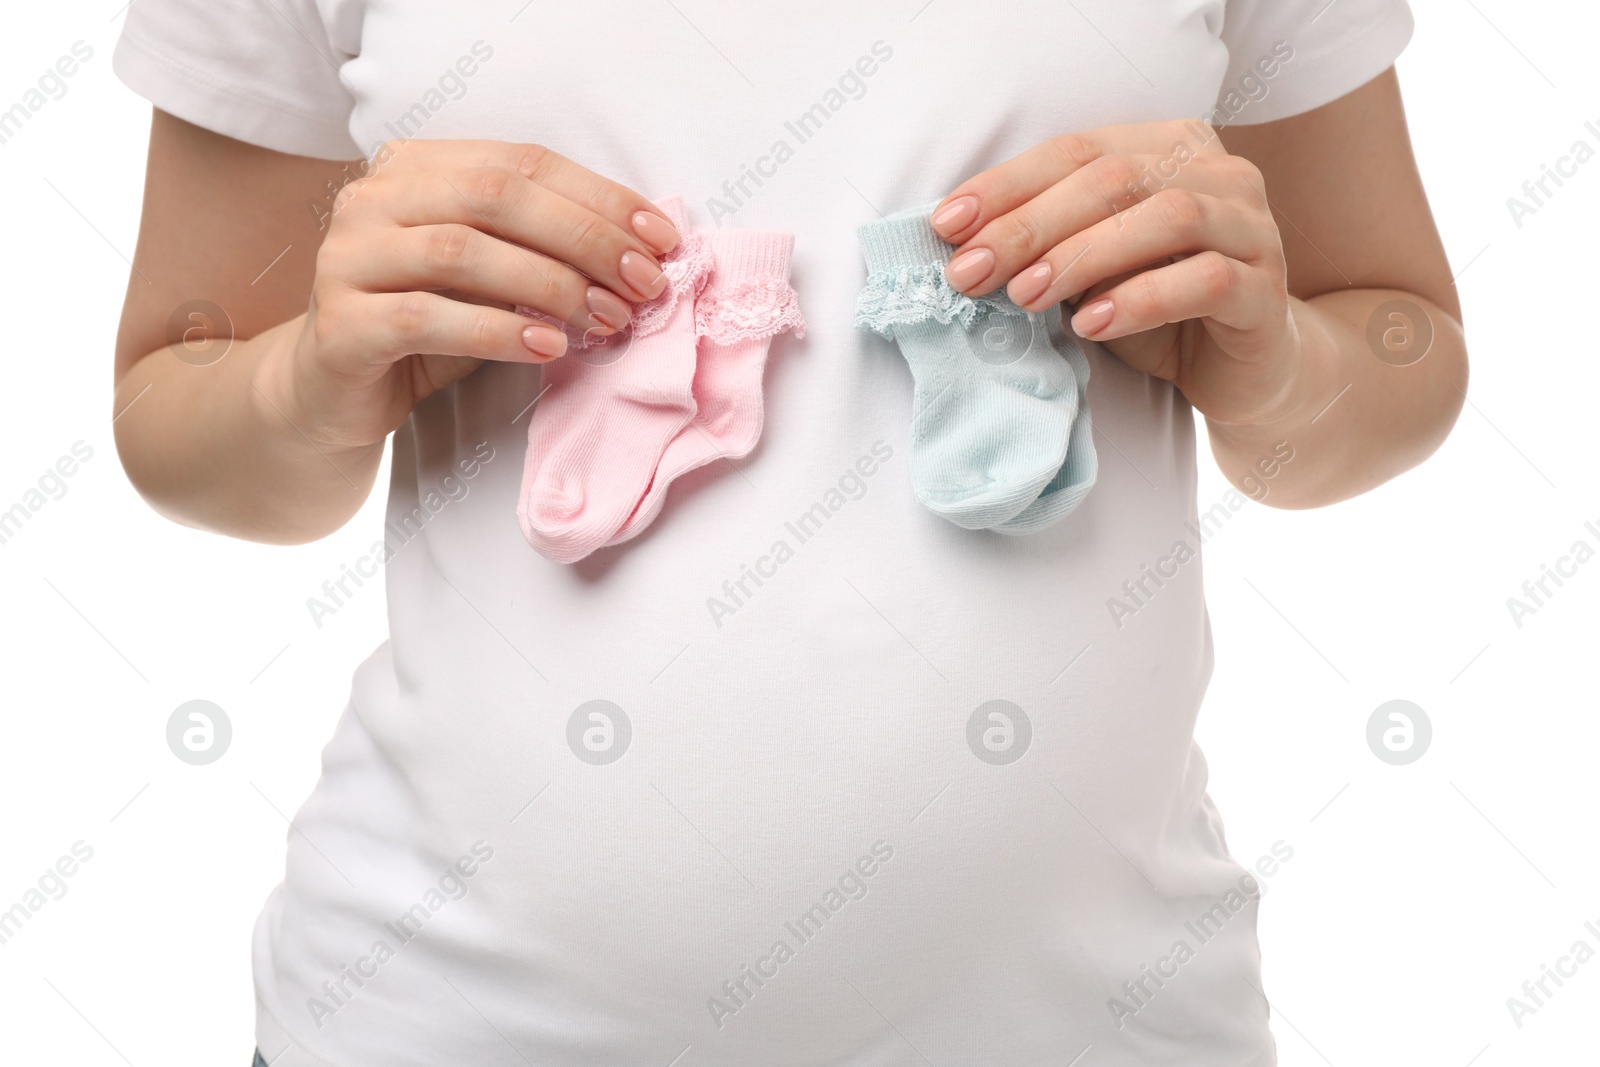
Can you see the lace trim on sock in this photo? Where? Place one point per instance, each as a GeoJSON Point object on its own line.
{"type": "Point", "coordinates": [749, 311]}
{"type": "Point", "coordinates": [687, 268]}
{"type": "Point", "coordinates": [916, 294]}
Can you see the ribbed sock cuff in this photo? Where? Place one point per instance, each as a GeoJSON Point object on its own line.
{"type": "Point", "coordinates": [904, 239]}
{"type": "Point", "coordinates": [747, 255]}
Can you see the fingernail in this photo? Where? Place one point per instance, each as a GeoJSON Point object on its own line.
{"type": "Point", "coordinates": [1028, 286]}
{"type": "Point", "coordinates": [606, 310]}
{"type": "Point", "coordinates": [1094, 318]}
{"type": "Point", "coordinates": [544, 341]}
{"type": "Point", "coordinates": [655, 231]}
{"type": "Point", "coordinates": [956, 216]}
{"type": "Point", "coordinates": [642, 274]}
{"type": "Point", "coordinates": [970, 268]}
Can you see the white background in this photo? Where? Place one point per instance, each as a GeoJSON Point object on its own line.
{"type": "Point", "coordinates": [1418, 900]}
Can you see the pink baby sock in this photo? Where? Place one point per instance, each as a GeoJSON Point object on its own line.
{"type": "Point", "coordinates": [745, 304]}
{"type": "Point", "coordinates": [603, 422]}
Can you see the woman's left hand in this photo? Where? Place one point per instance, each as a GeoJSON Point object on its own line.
{"type": "Point", "coordinates": [1165, 243]}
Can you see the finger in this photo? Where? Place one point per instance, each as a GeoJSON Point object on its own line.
{"type": "Point", "coordinates": [503, 204]}
{"type": "Point", "coordinates": [1205, 286]}
{"type": "Point", "coordinates": [402, 324]}
{"type": "Point", "coordinates": [457, 257]}
{"type": "Point", "coordinates": [1109, 186]}
{"type": "Point", "coordinates": [1174, 222]}
{"type": "Point", "coordinates": [615, 202]}
{"type": "Point", "coordinates": [986, 196]}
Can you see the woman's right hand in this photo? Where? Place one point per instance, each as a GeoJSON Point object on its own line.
{"type": "Point", "coordinates": [424, 259]}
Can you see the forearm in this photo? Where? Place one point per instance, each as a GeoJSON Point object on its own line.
{"type": "Point", "coordinates": [1353, 420]}
{"type": "Point", "coordinates": [206, 448]}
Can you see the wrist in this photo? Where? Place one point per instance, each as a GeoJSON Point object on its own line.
{"type": "Point", "coordinates": [279, 393]}
{"type": "Point", "coordinates": [1310, 384]}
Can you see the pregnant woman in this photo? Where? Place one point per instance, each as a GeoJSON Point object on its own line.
{"type": "Point", "coordinates": [900, 791]}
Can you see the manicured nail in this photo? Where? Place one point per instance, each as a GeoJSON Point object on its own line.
{"type": "Point", "coordinates": [970, 268]}
{"type": "Point", "coordinates": [956, 216]}
{"type": "Point", "coordinates": [1094, 318]}
{"type": "Point", "coordinates": [545, 341]}
{"type": "Point", "coordinates": [642, 274]}
{"type": "Point", "coordinates": [606, 310]}
{"type": "Point", "coordinates": [1028, 286]}
{"type": "Point", "coordinates": [655, 231]}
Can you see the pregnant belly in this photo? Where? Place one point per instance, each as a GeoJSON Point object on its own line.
{"type": "Point", "coordinates": [786, 860]}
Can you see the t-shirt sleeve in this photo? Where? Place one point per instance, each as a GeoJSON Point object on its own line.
{"type": "Point", "coordinates": [262, 71]}
{"type": "Point", "coordinates": [1286, 57]}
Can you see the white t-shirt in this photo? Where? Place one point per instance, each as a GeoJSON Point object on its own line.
{"type": "Point", "coordinates": [821, 843]}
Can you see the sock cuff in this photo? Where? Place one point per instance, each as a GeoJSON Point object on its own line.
{"type": "Point", "coordinates": [905, 277]}
{"type": "Point", "coordinates": [747, 255]}
{"type": "Point", "coordinates": [904, 239]}
{"type": "Point", "coordinates": [748, 297]}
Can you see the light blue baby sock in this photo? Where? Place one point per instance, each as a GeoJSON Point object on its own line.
{"type": "Point", "coordinates": [1076, 476]}
{"type": "Point", "coordinates": [994, 403]}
